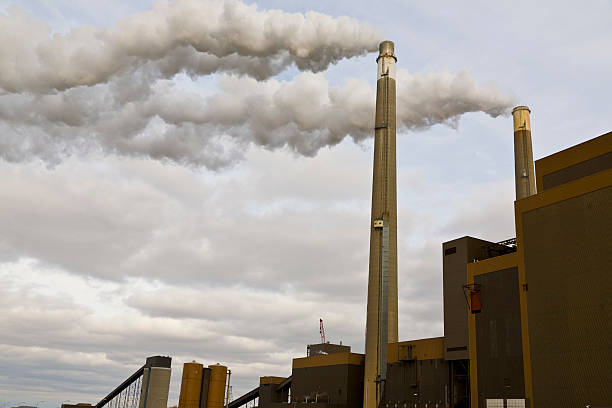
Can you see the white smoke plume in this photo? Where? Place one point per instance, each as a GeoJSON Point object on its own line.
{"type": "Point", "coordinates": [113, 90]}
{"type": "Point", "coordinates": [195, 36]}
{"type": "Point", "coordinates": [305, 114]}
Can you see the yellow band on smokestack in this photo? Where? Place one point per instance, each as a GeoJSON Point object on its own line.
{"type": "Point", "coordinates": [386, 59]}
{"type": "Point", "coordinates": [520, 114]}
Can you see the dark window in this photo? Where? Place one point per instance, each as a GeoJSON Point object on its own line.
{"type": "Point", "coordinates": [450, 251]}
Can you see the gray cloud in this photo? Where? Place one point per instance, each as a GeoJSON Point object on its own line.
{"type": "Point", "coordinates": [146, 260]}
{"type": "Point", "coordinates": [199, 37]}
{"type": "Point", "coordinates": [165, 229]}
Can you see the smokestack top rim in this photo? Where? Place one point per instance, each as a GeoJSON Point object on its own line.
{"type": "Point", "coordinates": [386, 49]}
{"type": "Point", "coordinates": [520, 108]}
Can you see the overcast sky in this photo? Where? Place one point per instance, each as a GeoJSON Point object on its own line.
{"type": "Point", "coordinates": [203, 191]}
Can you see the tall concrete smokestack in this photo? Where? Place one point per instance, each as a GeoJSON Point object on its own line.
{"type": "Point", "coordinates": [381, 324]}
{"type": "Point", "coordinates": [523, 153]}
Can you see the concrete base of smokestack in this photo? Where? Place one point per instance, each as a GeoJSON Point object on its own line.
{"type": "Point", "coordinates": [524, 170]}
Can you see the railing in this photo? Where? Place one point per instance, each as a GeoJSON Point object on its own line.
{"type": "Point", "coordinates": [511, 242]}
{"type": "Point", "coordinates": [126, 395]}
{"type": "Point", "coordinates": [135, 392]}
{"type": "Point", "coordinates": [243, 400]}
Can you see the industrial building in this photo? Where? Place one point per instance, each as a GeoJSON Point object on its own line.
{"type": "Point", "coordinates": [527, 321]}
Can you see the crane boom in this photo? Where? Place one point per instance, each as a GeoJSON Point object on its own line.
{"type": "Point", "coordinates": [321, 331]}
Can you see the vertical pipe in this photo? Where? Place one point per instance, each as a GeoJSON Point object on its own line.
{"type": "Point", "coordinates": [204, 387]}
{"type": "Point", "coordinates": [384, 305]}
{"type": "Point", "coordinates": [524, 171]}
{"type": "Point", "coordinates": [227, 393]}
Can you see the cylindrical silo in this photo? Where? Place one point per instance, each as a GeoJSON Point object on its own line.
{"type": "Point", "coordinates": [191, 385]}
{"type": "Point", "coordinates": [216, 388]}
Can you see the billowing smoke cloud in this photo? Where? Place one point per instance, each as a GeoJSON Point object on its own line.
{"type": "Point", "coordinates": [163, 122]}
{"type": "Point", "coordinates": [113, 90]}
{"type": "Point", "coordinates": [195, 36]}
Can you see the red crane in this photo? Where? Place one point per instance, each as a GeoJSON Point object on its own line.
{"type": "Point", "coordinates": [321, 331]}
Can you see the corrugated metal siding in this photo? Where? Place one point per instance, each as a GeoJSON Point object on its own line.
{"type": "Point", "coordinates": [456, 255]}
{"type": "Point", "coordinates": [568, 266]}
{"type": "Point", "coordinates": [342, 385]}
{"type": "Point", "coordinates": [498, 337]}
{"type": "Point", "coordinates": [421, 382]}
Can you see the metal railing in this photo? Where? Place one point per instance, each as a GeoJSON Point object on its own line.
{"type": "Point", "coordinates": [511, 242]}
{"type": "Point", "coordinates": [127, 394]}
{"type": "Point", "coordinates": [134, 391]}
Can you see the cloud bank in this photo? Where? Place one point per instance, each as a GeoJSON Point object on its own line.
{"type": "Point", "coordinates": [105, 263]}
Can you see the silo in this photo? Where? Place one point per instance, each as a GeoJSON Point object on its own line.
{"type": "Point", "coordinates": [191, 385]}
{"type": "Point", "coordinates": [216, 388]}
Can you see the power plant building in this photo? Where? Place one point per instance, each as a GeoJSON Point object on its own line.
{"type": "Point", "coordinates": [527, 321]}
{"type": "Point", "coordinates": [564, 258]}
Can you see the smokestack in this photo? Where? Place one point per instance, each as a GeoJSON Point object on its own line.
{"type": "Point", "coordinates": [381, 322]}
{"type": "Point", "coordinates": [523, 153]}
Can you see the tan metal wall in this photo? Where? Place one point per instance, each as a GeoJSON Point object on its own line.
{"type": "Point", "coordinates": [422, 349]}
{"type": "Point", "coordinates": [324, 360]}
{"type": "Point", "coordinates": [456, 255]}
{"type": "Point", "coordinates": [578, 170]}
{"type": "Point", "coordinates": [421, 383]}
{"type": "Point", "coordinates": [568, 264]}
{"type": "Point", "coordinates": [575, 162]}
{"type": "Point", "coordinates": [567, 240]}
{"type": "Point", "coordinates": [499, 352]}
{"type": "Point", "coordinates": [339, 385]}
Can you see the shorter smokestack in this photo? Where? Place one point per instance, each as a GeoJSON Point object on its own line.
{"type": "Point", "coordinates": [523, 154]}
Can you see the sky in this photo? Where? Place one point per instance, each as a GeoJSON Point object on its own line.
{"type": "Point", "coordinates": [201, 191]}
